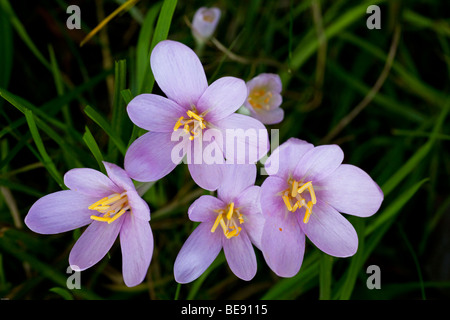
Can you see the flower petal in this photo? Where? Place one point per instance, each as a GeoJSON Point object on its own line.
{"type": "Point", "coordinates": [178, 72]}
{"type": "Point", "coordinates": [202, 209]}
{"type": "Point", "coordinates": [222, 98]}
{"type": "Point", "coordinates": [246, 139]}
{"type": "Point", "coordinates": [285, 158]}
{"type": "Point", "coordinates": [283, 245]}
{"type": "Point", "coordinates": [270, 81]}
{"type": "Point", "coordinates": [319, 163]}
{"type": "Point", "coordinates": [197, 253]}
{"type": "Point", "coordinates": [351, 190]}
{"type": "Point", "coordinates": [60, 212]}
{"type": "Point", "coordinates": [139, 207]}
{"type": "Point", "coordinates": [90, 182]}
{"type": "Point", "coordinates": [268, 117]}
{"type": "Point", "coordinates": [136, 241]}
{"type": "Point", "coordinates": [94, 243]}
{"type": "Point", "coordinates": [149, 157]}
{"type": "Point", "coordinates": [154, 113]}
{"type": "Point", "coordinates": [254, 226]}
{"type": "Point", "coordinates": [207, 176]}
{"type": "Point", "coordinates": [236, 178]}
{"type": "Point", "coordinates": [330, 231]}
{"type": "Point", "coordinates": [240, 256]}
{"type": "Point", "coordinates": [272, 203]}
{"type": "Point", "coordinates": [119, 176]}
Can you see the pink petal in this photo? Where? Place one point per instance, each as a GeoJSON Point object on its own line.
{"type": "Point", "coordinates": [285, 158]}
{"type": "Point", "coordinates": [178, 72]}
{"type": "Point", "coordinates": [139, 207]}
{"type": "Point", "coordinates": [60, 212]}
{"type": "Point", "coordinates": [240, 256]}
{"type": "Point", "coordinates": [90, 182]}
{"type": "Point", "coordinates": [197, 253]}
{"type": "Point", "coordinates": [330, 231]}
{"type": "Point", "coordinates": [207, 176]}
{"type": "Point", "coordinates": [245, 139]}
{"type": "Point", "coordinates": [118, 176]}
{"type": "Point", "coordinates": [268, 117]}
{"type": "Point", "coordinates": [236, 178]}
{"type": "Point", "coordinates": [94, 243]}
{"type": "Point", "coordinates": [222, 98]}
{"type": "Point", "coordinates": [149, 157]}
{"type": "Point", "coordinates": [271, 81]}
{"type": "Point", "coordinates": [154, 113]}
{"type": "Point", "coordinates": [318, 163]}
{"type": "Point", "coordinates": [202, 209]}
{"type": "Point", "coordinates": [272, 203]}
{"type": "Point", "coordinates": [351, 190]}
{"type": "Point", "coordinates": [283, 245]}
{"type": "Point", "coordinates": [136, 241]}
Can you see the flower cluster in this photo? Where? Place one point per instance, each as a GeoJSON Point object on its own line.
{"type": "Point", "coordinates": [304, 195]}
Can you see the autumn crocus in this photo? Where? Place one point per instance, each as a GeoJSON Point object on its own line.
{"type": "Point", "coordinates": [193, 120]}
{"type": "Point", "coordinates": [232, 221]}
{"type": "Point", "coordinates": [204, 23]}
{"type": "Point", "coordinates": [111, 206]}
{"type": "Point", "coordinates": [305, 192]}
{"type": "Point", "coordinates": [264, 98]}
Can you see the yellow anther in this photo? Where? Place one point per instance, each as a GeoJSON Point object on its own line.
{"type": "Point", "coordinates": [287, 202]}
{"type": "Point", "coordinates": [308, 212]}
{"type": "Point", "coordinates": [294, 189]}
{"type": "Point", "coordinates": [194, 115]}
{"type": "Point", "coordinates": [117, 215]}
{"type": "Point", "coordinates": [97, 218]}
{"type": "Point", "coordinates": [178, 124]}
{"type": "Point", "coordinates": [230, 211]}
{"type": "Point", "coordinates": [216, 223]}
{"type": "Point", "coordinates": [304, 186]}
{"type": "Point", "coordinates": [99, 202]}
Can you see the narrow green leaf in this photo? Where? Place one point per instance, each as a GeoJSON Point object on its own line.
{"type": "Point", "coordinates": [143, 46]}
{"type": "Point", "coordinates": [89, 139]}
{"type": "Point", "coordinates": [64, 293]}
{"type": "Point", "coordinates": [161, 33]}
{"type": "Point", "coordinates": [326, 264]}
{"type": "Point", "coordinates": [102, 123]}
{"type": "Point", "coordinates": [46, 160]}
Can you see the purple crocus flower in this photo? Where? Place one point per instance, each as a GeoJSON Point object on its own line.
{"type": "Point", "coordinates": [304, 195]}
{"type": "Point", "coordinates": [264, 98]}
{"type": "Point", "coordinates": [204, 23]}
{"type": "Point", "coordinates": [201, 115]}
{"type": "Point", "coordinates": [110, 205]}
{"type": "Point", "coordinates": [232, 221]}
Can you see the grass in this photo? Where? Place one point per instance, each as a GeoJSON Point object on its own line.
{"type": "Point", "coordinates": [381, 95]}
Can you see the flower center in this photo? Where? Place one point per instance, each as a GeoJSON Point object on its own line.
{"type": "Point", "coordinates": [259, 99]}
{"type": "Point", "coordinates": [192, 125]}
{"type": "Point", "coordinates": [112, 207]}
{"type": "Point", "coordinates": [227, 220]}
{"type": "Point", "coordinates": [208, 16]}
{"type": "Point", "coordinates": [294, 199]}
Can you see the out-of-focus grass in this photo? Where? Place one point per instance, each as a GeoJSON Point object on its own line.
{"type": "Point", "coordinates": [57, 112]}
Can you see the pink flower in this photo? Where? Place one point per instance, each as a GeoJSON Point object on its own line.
{"type": "Point", "coordinates": [264, 98]}
{"type": "Point", "coordinates": [232, 221]}
{"type": "Point", "coordinates": [304, 196]}
{"type": "Point", "coordinates": [191, 111]}
{"type": "Point", "coordinates": [205, 22]}
{"type": "Point", "coordinates": [111, 206]}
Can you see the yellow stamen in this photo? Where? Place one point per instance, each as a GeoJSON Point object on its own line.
{"type": "Point", "coordinates": [287, 203]}
{"type": "Point", "coordinates": [117, 215]}
{"type": "Point", "coordinates": [216, 223]}
{"type": "Point", "coordinates": [99, 202]}
{"type": "Point", "coordinates": [230, 212]}
{"type": "Point", "coordinates": [294, 188]}
{"type": "Point", "coordinates": [194, 115]}
{"type": "Point", "coordinates": [308, 212]}
{"type": "Point", "coordinates": [178, 124]}
{"type": "Point", "coordinates": [97, 218]}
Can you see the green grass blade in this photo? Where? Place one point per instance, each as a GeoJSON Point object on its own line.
{"type": "Point", "coordinates": [325, 279]}
{"type": "Point", "coordinates": [143, 47]}
{"type": "Point", "coordinates": [46, 160]}
{"type": "Point", "coordinates": [160, 34]}
{"type": "Point", "coordinates": [89, 139]}
{"type": "Point", "coordinates": [102, 123]}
